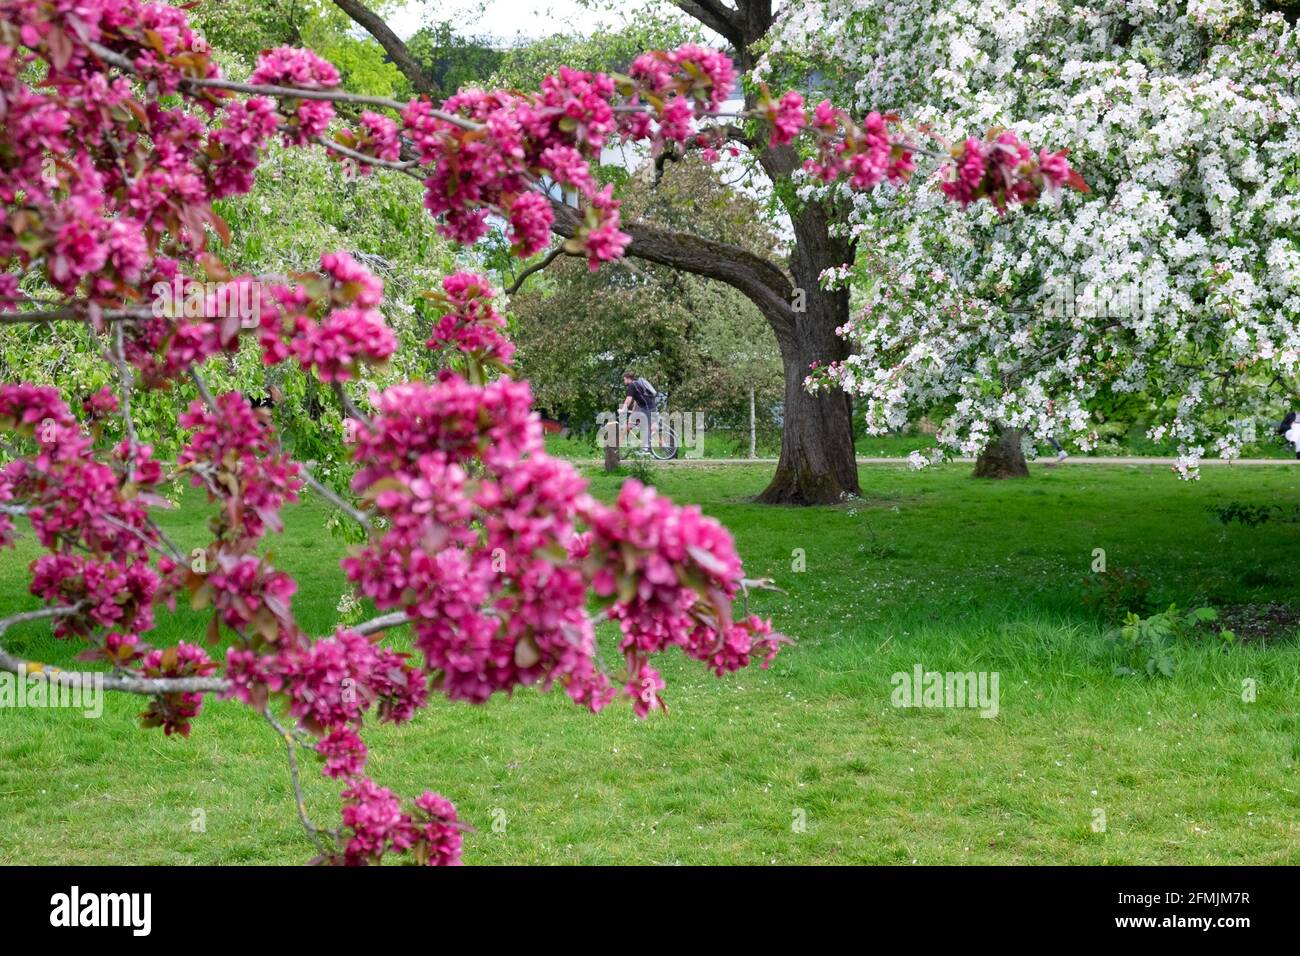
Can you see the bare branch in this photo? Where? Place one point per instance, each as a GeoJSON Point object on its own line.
{"type": "Point", "coordinates": [148, 686]}
{"type": "Point", "coordinates": [202, 386]}
{"type": "Point", "coordinates": [364, 158]}
{"type": "Point", "coordinates": [329, 495]}
{"type": "Point", "coordinates": [291, 751]}
{"type": "Point", "coordinates": [761, 280]}
{"type": "Point", "coordinates": [125, 374]}
{"type": "Point", "coordinates": [350, 407]}
{"type": "Point", "coordinates": [76, 312]}
{"type": "Point", "coordinates": [536, 267]}
{"type": "Point", "coordinates": [382, 623]}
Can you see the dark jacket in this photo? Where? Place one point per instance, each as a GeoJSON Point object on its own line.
{"type": "Point", "coordinates": [642, 394]}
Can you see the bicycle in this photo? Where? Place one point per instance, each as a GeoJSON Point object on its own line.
{"type": "Point", "coordinates": [663, 439]}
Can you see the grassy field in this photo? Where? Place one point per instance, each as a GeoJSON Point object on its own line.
{"type": "Point", "coordinates": [929, 568]}
{"type": "Point", "coordinates": [722, 443]}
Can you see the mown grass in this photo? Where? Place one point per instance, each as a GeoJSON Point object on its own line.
{"type": "Point", "coordinates": [931, 568]}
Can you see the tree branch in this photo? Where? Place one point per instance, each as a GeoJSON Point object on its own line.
{"type": "Point", "coordinates": [350, 407]}
{"type": "Point", "coordinates": [291, 752]}
{"type": "Point", "coordinates": [720, 19]}
{"type": "Point", "coordinates": [400, 53]}
{"type": "Point", "coordinates": [382, 623]}
{"type": "Point", "coordinates": [536, 267]}
{"type": "Point", "coordinates": [760, 280]}
{"type": "Point", "coordinates": [329, 495]}
{"type": "Point", "coordinates": [148, 686]}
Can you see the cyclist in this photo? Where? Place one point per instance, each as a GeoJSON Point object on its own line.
{"type": "Point", "coordinates": [641, 395]}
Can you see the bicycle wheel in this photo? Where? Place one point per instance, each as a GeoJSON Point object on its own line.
{"type": "Point", "coordinates": [664, 447]}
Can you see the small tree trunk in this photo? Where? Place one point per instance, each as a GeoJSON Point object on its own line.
{"type": "Point", "coordinates": [1003, 457]}
{"type": "Point", "coordinates": [609, 441]}
{"type": "Point", "coordinates": [753, 432]}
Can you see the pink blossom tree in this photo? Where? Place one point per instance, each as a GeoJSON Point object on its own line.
{"type": "Point", "coordinates": [118, 134]}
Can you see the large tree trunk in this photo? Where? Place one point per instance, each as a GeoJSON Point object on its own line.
{"type": "Point", "coordinates": [818, 464]}
{"type": "Point", "coordinates": [1004, 457]}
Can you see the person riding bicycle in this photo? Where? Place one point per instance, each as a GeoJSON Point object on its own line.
{"type": "Point", "coordinates": [641, 395]}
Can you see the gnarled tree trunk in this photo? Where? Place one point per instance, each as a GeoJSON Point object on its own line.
{"type": "Point", "coordinates": [1004, 457]}
{"type": "Point", "coordinates": [818, 464]}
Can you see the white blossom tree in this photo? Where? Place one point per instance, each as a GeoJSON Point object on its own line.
{"type": "Point", "coordinates": [1178, 275]}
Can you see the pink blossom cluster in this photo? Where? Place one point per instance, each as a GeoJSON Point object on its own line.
{"type": "Point", "coordinates": [786, 116]}
{"type": "Point", "coordinates": [108, 594]}
{"type": "Point", "coordinates": [249, 596]}
{"type": "Point", "coordinates": [350, 331]}
{"type": "Point", "coordinates": [378, 137]}
{"type": "Point", "coordinates": [706, 76]}
{"type": "Point", "coordinates": [343, 341]}
{"type": "Point", "coordinates": [235, 454]}
{"type": "Point", "coordinates": [553, 134]}
{"type": "Point", "coordinates": [477, 525]}
{"type": "Point", "coordinates": [669, 575]}
{"type": "Point", "coordinates": [678, 87]}
{"type": "Point", "coordinates": [74, 501]}
{"type": "Point", "coordinates": [470, 323]}
{"type": "Point", "coordinates": [107, 180]}
{"type": "Point", "coordinates": [1004, 170]}
{"type": "Point", "coordinates": [378, 825]}
{"type": "Point", "coordinates": [173, 711]}
{"type": "Point", "coordinates": [328, 686]}
{"type": "Point", "coordinates": [301, 69]}
{"type": "Point", "coordinates": [248, 126]}
{"type": "Point", "coordinates": [865, 155]}
{"type": "Point", "coordinates": [101, 404]}
{"type": "Point", "coordinates": [344, 753]}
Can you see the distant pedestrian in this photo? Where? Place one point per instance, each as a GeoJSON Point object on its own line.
{"type": "Point", "coordinates": [1061, 453]}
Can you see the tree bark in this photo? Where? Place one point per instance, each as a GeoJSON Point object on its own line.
{"type": "Point", "coordinates": [1004, 457]}
{"type": "Point", "coordinates": [818, 464]}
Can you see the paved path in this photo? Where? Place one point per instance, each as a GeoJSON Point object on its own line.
{"type": "Point", "coordinates": [1043, 461]}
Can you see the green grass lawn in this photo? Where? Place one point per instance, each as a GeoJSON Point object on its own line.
{"type": "Point", "coordinates": [724, 443]}
{"type": "Point", "coordinates": [931, 568]}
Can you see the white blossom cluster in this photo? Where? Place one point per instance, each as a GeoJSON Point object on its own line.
{"type": "Point", "coordinates": [1183, 117]}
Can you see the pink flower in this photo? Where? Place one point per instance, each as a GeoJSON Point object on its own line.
{"type": "Point", "coordinates": [470, 323]}
{"type": "Point", "coordinates": [344, 753]}
{"type": "Point", "coordinates": [77, 252]}
{"type": "Point", "coordinates": [345, 340]}
{"type": "Point", "coordinates": [290, 66]}
{"type": "Point", "coordinates": [968, 173]}
{"type": "Point", "coordinates": [174, 711]}
{"type": "Point", "coordinates": [249, 471]}
{"type": "Point", "coordinates": [530, 223]}
{"type": "Point", "coordinates": [786, 117]}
